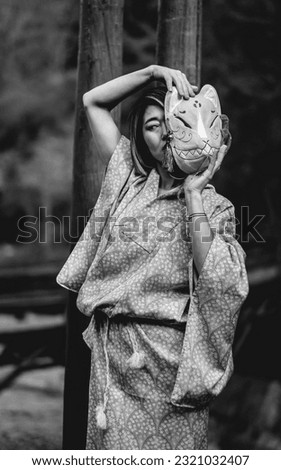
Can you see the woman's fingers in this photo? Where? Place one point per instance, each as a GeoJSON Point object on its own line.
{"type": "Point", "coordinates": [191, 89]}
{"type": "Point", "coordinates": [180, 81]}
{"type": "Point", "coordinates": [214, 165]}
{"type": "Point", "coordinates": [220, 157]}
{"type": "Point", "coordinates": [174, 77]}
{"type": "Point", "coordinates": [209, 171]}
{"type": "Point", "coordinates": [198, 181]}
{"type": "Point", "coordinates": [169, 82]}
{"type": "Point", "coordinates": [180, 85]}
{"type": "Point", "coordinates": [188, 89]}
{"type": "Point", "coordinates": [184, 84]}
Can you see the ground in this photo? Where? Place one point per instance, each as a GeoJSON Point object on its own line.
{"type": "Point", "coordinates": [31, 410]}
{"type": "Point", "coordinates": [245, 416]}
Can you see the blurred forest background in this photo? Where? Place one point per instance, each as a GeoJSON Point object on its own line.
{"type": "Point", "coordinates": [38, 54]}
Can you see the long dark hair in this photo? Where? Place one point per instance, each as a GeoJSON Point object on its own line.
{"type": "Point", "coordinates": [141, 156]}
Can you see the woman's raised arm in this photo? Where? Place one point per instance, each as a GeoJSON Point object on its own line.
{"type": "Point", "coordinates": [99, 101]}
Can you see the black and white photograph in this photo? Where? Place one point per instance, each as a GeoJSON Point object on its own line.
{"type": "Point", "coordinates": [140, 215]}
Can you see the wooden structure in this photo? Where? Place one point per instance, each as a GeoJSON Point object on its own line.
{"type": "Point", "coordinates": [100, 59]}
{"type": "Point", "coordinates": [179, 36]}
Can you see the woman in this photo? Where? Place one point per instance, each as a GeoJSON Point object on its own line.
{"type": "Point", "coordinates": [161, 275]}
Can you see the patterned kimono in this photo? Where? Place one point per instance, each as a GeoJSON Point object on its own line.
{"type": "Point", "coordinates": [160, 339]}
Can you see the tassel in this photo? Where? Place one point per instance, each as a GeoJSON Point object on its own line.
{"type": "Point", "coordinates": [137, 360]}
{"type": "Point", "coordinates": [100, 417]}
{"type": "Point", "coordinates": [168, 160]}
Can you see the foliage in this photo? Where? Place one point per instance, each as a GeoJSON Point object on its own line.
{"type": "Point", "coordinates": [35, 88]}
{"type": "Point", "coordinates": [38, 52]}
{"type": "Point", "coordinates": [241, 59]}
{"type": "Point", "coordinates": [37, 104]}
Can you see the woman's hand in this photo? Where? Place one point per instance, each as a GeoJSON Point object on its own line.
{"type": "Point", "coordinates": [197, 182]}
{"type": "Point", "coordinates": [199, 227]}
{"type": "Point", "coordinates": [173, 77]}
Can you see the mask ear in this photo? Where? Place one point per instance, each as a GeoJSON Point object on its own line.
{"type": "Point", "coordinates": [209, 92]}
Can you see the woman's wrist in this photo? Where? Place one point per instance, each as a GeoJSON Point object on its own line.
{"type": "Point", "coordinates": [193, 197]}
{"type": "Point", "coordinates": [194, 202]}
{"type": "Point", "coordinates": [150, 71]}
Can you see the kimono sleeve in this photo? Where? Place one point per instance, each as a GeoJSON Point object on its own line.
{"type": "Point", "coordinates": [206, 362]}
{"type": "Point", "coordinates": [74, 271]}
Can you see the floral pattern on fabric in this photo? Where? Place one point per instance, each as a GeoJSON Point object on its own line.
{"type": "Point", "coordinates": [206, 361]}
{"type": "Point", "coordinates": [74, 271]}
{"type": "Point", "coordinates": [139, 413]}
{"type": "Point", "coordinates": [135, 276]}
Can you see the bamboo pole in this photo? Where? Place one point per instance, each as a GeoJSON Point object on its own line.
{"type": "Point", "coordinates": [99, 60]}
{"type": "Point", "coordinates": [179, 36]}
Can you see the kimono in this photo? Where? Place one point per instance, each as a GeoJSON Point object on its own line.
{"type": "Point", "coordinates": [160, 338]}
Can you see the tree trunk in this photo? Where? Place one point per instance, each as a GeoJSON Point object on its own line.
{"type": "Point", "coordinates": [100, 59]}
{"type": "Point", "coordinates": [179, 36]}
